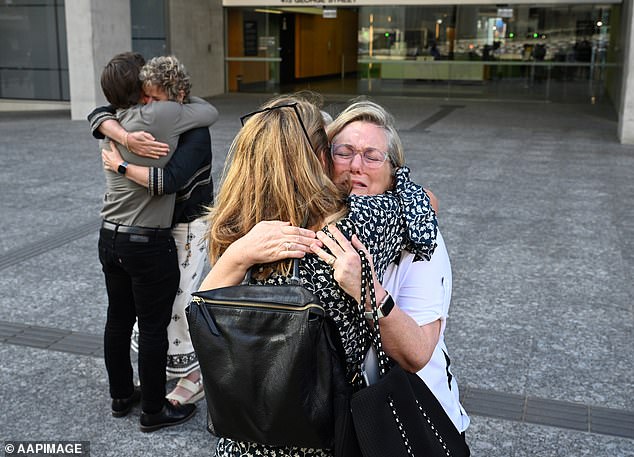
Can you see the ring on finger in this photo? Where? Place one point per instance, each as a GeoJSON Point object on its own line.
{"type": "Point", "coordinates": [331, 260]}
{"type": "Point", "coordinates": [287, 246]}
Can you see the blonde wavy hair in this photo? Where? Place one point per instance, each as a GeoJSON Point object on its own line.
{"type": "Point", "coordinates": [168, 73]}
{"type": "Point", "coordinates": [275, 171]}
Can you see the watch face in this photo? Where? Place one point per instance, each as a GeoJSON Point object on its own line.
{"type": "Point", "coordinates": [122, 168]}
{"type": "Point", "coordinates": [387, 306]}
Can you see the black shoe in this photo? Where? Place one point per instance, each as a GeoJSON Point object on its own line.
{"type": "Point", "coordinates": [122, 406]}
{"type": "Point", "coordinates": [168, 416]}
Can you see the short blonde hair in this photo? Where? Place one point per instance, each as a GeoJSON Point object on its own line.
{"type": "Point", "coordinates": [274, 172]}
{"type": "Point", "coordinates": [368, 111]}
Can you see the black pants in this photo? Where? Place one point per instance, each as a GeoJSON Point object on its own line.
{"type": "Point", "coordinates": [142, 278]}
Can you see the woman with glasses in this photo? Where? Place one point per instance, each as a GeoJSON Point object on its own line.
{"type": "Point", "coordinates": [275, 171]}
{"type": "Point", "coordinates": [366, 153]}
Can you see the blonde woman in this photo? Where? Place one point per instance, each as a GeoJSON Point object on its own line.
{"type": "Point", "coordinates": [275, 171]}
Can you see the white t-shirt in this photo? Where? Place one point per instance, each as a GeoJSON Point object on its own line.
{"type": "Point", "coordinates": [423, 290]}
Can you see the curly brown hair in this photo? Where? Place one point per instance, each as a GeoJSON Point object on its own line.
{"type": "Point", "coordinates": [168, 73]}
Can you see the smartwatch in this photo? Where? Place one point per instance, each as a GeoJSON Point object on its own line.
{"type": "Point", "coordinates": [384, 308]}
{"type": "Point", "coordinates": [123, 168]}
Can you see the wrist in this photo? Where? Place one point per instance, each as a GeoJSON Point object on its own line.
{"type": "Point", "coordinates": [235, 256]}
{"type": "Point", "coordinates": [384, 307]}
{"type": "Point", "coordinates": [122, 168]}
{"type": "Point", "coordinates": [380, 293]}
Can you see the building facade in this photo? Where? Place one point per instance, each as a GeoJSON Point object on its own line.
{"type": "Point", "coordinates": [555, 51]}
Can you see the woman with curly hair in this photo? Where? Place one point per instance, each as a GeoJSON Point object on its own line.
{"type": "Point", "coordinates": [187, 177]}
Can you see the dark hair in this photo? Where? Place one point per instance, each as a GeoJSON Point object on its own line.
{"type": "Point", "coordinates": [120, 79]}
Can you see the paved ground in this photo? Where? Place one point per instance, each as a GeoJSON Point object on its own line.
{"type": "Point", "coordinates": [537, 210]}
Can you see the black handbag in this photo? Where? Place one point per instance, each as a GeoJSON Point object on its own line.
{"type": "Point", "coordinates": [398, 416]}
{"type": "Point", "coordinates": [271, 361]}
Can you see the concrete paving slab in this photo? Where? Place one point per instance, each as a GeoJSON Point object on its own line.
{"type": "Point", "coordinates": [537, 213]}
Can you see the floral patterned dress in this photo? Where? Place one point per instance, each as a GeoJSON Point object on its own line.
{"type": "Point", "coordinates": [386, 224]}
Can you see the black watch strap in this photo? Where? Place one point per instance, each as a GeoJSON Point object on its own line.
{"type": "Point", "coordinates": [123, 167]}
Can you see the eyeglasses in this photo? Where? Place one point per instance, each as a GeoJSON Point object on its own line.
{"type": "Point", "coordinates": [344, 153]}
{"type": "Point", "coordinates": [244, 118]}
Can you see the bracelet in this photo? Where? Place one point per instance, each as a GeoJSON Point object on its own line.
{"type": "Point", "coordinates": [125, 140]}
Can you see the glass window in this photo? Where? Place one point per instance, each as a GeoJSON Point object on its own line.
{"type": "Point", "coordinates": [255, 39]}
{"type": "Point", "coordinates": [148, 27]}
{"type": "Point", "coordinates": [555, 53]}
{"type": "Point", "coordinates": [33, 57]}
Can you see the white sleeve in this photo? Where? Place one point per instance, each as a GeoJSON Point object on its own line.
{"type": "Point", "coordinates": [422, 289]}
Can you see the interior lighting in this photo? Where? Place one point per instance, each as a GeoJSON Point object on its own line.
{"type": "Point", "coordinates": [261, 10]}
{"type": "Point", "coordinates": [599, 23]}
{"type": "Point", "coordinates": [439, 21]}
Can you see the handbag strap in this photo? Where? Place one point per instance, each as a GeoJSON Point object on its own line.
{"type": "Point", "coordinates": [368, 291]}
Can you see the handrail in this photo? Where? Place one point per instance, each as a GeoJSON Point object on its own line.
{"type": "Point", "coordinates": [253, 59]}
{"type": "Point", "coordinates": [547, 63]}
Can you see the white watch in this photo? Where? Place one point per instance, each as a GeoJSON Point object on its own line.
{"type": "Point", "coordinates": [383, 309]}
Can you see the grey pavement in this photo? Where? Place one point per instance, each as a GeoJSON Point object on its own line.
{"type": "Point", "coordinates": [536, 207]}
